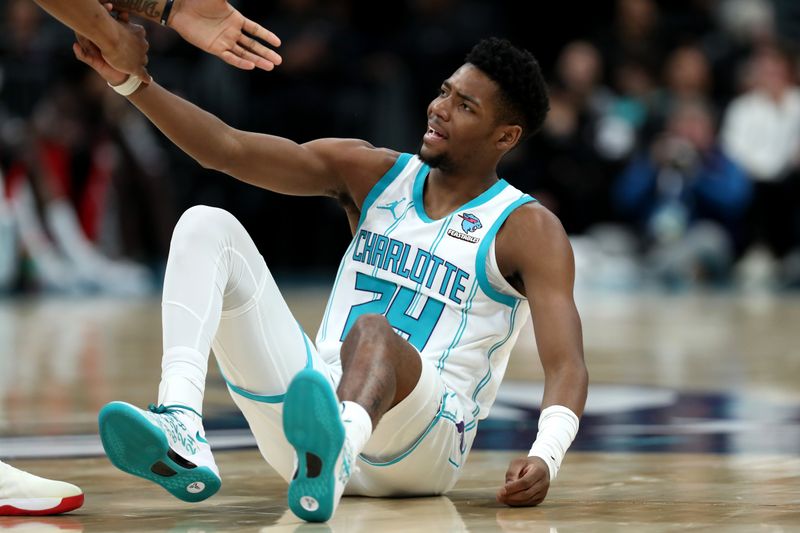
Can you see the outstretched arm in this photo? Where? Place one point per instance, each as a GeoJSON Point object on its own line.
{"type": "Point", "coordinates": [533, 248]}
{"type": "Point", "coordinates": [122, 45]}
{"type": "Point", "coordinates": [214, 26]}
{"type": "Point", "coordinates": [331, 167]}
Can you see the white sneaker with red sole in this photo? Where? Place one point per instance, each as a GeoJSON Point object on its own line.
{"type": "Point", "coordinates": [22, 493]}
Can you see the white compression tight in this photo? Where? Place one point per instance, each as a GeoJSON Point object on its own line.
{"type": "Point", "coordinates": [218, 292]}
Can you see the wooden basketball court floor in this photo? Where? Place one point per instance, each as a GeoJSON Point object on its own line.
{"type": "Point", "coordinates": [692, 423]}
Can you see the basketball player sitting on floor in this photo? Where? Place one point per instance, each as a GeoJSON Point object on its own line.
{"type": "Point", "coordinates": [445, 262]}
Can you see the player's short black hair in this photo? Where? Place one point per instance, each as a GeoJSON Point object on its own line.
{"type": "Point", "coordinates": [523, 91]}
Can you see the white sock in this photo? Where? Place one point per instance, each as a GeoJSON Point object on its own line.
{"type": "Point", "coordinates": [357, 425]}
{"type": "Point", "coordinates": [183, 378]}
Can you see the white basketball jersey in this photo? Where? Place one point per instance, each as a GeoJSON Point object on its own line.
{"type": "Point", "coordinates": [436, 282]}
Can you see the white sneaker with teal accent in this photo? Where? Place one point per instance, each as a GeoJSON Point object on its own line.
{"type": "Point", "coordinates": [165, 445]}
{"type": "Point", "coordinates": [325, 459]}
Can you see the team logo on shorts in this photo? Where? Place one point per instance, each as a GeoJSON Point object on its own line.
{"type": "Point", "coordinates": [470, 224]}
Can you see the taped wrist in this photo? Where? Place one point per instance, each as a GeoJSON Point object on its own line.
{"type": "Point", "coordinates": [558, 426]}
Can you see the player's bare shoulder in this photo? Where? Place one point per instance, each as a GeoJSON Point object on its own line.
{"type": "Point", "coordinates": [367, 165]}
{"type": "Point", "coordinates": [357, 164]}
{"type": "Point", "coordinates": [532, 239]}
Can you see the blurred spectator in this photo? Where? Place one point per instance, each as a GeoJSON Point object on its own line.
{"type": "Point", "coordinates": [27, 59]}
{"type": "Point", "coordinates": [687, 198]}
{"type": "Point", "coordinates": [60, 185]}
{"type": "Point", "coordinates": [761, 131]}
{"type": "Point", "coordinates": [748, 22]}
{"type": "Point", "coordinates": [635, 36]}
{"type": "Point", "coordinates": [740, 27]}
{"type": "Point", "coordinates": [686, 76]}
{"type": "Point", "coordinates": [637, 91]}
{"type": "Point", "coordinates": [633, 47]}
{"type": "Point", "coordinates": [577, 151]}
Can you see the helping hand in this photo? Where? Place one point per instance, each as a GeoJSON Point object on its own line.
{"type": "Point", "coordinates": [88, 52]}
{"type": "Point", "coordinates": [527, 483]}
{"type": "Point", "coordinates": [129, 53]}
{"type": "Point", "coordinates": [218, 28]}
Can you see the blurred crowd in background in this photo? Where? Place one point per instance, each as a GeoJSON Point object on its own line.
{"type": "Point", "coordinates": [671, 152]}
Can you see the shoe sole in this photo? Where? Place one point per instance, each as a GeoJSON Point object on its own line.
{"type": "Point", "coordinates": [312, 424]}
{"type": "Point", "coordinates": [39, 506]}
{"type": "Point", "coordinates": [135, 446]}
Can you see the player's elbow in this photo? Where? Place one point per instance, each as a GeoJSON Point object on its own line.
{"type": "Point", "coordinates": [209, 163]}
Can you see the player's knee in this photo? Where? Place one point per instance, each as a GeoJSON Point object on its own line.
{"type": "Point", "coordinates": [371, 325]}
{"type": "Point", "coordinates": [369, 330]}
{"type": "Point", "coordinates": [200, 224]}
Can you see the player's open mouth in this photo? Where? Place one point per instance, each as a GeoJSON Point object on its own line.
{"type": "Point", "coordinates": [434, 135]}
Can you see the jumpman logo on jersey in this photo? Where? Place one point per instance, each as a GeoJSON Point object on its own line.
{"type": "Point", "coordinates": [391, 206]}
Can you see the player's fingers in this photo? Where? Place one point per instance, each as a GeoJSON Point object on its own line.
{"type": "Point", "coordinates": [266, 58]}
{"type": "Point", "coordinates": [80, 40]}
{"type": "Point", "coordinates": [248, 55]}
{"type": "Point", "coordinates": [523, 488]}
{"type": "Point", "coordinates": [259, 31]}
{"type": "Point", "coordinates": [90, 50]}
{"type": "Point", "coordinates": [89, 58]}
{"type": "Point", "coordinates": [514, 470]}
{"type": "Point", "coordinates": [236, 61]}
{"type": "Point", "coordinates": [532, 496]}
{"type": "Point", "coordinates": [518, 485]}
{"type": "Point", "coordinates": [79, 53]}
{"type": "Point", "coordinates": [138, 29]}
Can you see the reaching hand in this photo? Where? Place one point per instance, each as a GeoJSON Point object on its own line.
{"type": "Point", "coordinates": [218, 28]}
{"type": "Point", "coordinates": [527, 483]}
{"type": "Point", "coordinates": [87, 52]}
{"type": "Point", "coordinates": [129, 55]}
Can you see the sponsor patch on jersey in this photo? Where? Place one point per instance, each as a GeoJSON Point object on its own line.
{"type": "Point", "coordinates": [469, 223]}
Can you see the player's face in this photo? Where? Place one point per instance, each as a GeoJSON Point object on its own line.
{"type": "Point", "coordinates": [461, 119]}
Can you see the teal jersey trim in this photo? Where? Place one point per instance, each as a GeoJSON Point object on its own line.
{"type": "Point", "coordinates": [417, 192]}
{"type": "Point", "coordinates": [382, 184]}
{"type": "Point", "coordinates": [406, 453]}
{"type": "Point", "coordinates": [263, 398]}
{"type": "Point", "coordinates": [488, 376]}
{"type": "Point", "coordinates": [483, 251]}
{"type": "Point", "coordinates": [419, 188]}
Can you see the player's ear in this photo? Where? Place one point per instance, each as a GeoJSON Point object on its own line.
{"type": "Point", "coordinates": [508, 136]}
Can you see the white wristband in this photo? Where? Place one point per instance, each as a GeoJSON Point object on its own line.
{"type": "Point", "coordinates": [558, 426]}
{"type": "Point", "coordinates": [127, 87]}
